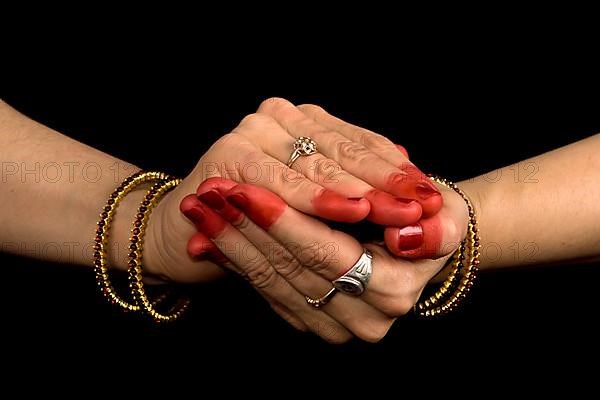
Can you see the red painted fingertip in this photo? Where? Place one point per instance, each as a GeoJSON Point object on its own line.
{"type": "Point", "coordinates": [392, 211]}
{"type": "Point", "coordinates": [413, 184]}
{"type": "Point", "coordinates": [188, 203]}
{"type": "Point", "coordinates": [219, 184]}
{"type": "Point", "coordinates": [260, 205]}
{"type": "Point", "coordinates": [219, 204]}
{"type": "Point", "coordinates": [432, 205]}
{"type": "Point", "coordinates": [213, 199]}
{"type": "Point", "coordinates": [191, 207]}
{"type": "Point", "coordinates": [402, 150]}
{"type": "Point", "coordinates": [200, 247]}
{"type": "Point", "coordinates": [206, 220]}
{"type": "Point", "coordinates": [422, 240]}
{"type": "Point", "coordinates": [333, 206]}
{"type": "Point", "coordinates": [426, 189]}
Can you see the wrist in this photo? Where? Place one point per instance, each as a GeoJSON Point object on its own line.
{"type": "Point", "coordinates": [118, 243]}
{"type": "Point", "coordinates": [487, 199]}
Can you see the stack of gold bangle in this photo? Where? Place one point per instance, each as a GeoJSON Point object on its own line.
{"type": "Point", "coordinates": [463, 266]}
{"type": "Point", "coordinates": [163, 183]}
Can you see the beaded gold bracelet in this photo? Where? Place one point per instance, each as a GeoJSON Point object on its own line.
{"type": "Point", "coordinates": [102, 234]}
{"type": "Point", "coordinates": [135, 269]}
{"type": "Point", "coordinates": [463, 266]}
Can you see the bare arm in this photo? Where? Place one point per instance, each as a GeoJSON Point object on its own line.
{"type": "Point", "coordinates": [542, 210]}
{"type": "Point", "coordinates": [51, 191]}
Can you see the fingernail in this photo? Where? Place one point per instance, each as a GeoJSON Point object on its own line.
{"type": "Point", "coordinates": [425, 190]}
{"type": "Point", "coordinates": [410, 237]}
{"type": "Point", "coordinates": [238, 200]}
{"type": "Point", "coordinates": [213, 199]}
{"type": "Point", "coordinates": [201, 255]}
{"type": "Point", "coordinates": [195, 214]}
{"type": "Point", "coordinates": [199, 247]}
{"type": "Point", "coordinates": [404, 201]}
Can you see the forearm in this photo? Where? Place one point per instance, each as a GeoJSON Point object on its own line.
{"type": "Point", "coordinates": [542, 210]}
{"type": "Point", "coordinates": [52, 190]}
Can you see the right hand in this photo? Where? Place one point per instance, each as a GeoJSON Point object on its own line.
{"type": "Point", "coordinates": [357, 174]}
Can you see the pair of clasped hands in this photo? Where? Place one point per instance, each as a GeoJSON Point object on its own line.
{"type": "Point", "coordinates": [242, 209]}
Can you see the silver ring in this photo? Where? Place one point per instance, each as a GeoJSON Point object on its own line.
{"type": "Point", "coordinates": [303, 146]}
{"type": "Point", "coordinates": [355, 281]}
{"type": "Point", "coordinates": [320, 302]}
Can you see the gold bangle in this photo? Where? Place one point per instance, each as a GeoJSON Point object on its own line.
{"type": "Point", "coordinates": [135, 269]}
{"type": "Point", "coordinates": [102, 234]}
{"type": "Point", "coordinates": [464, 266]}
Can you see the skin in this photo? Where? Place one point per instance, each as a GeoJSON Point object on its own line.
{"type": "Point", "coordinates": [88, 176]}
{"type": "Point", "coordinates": [291, 250]}
{"type": "Point", "coordinates": [510, 211]}
{"type": "Point", "coordinates": [509, 215]}
{"type": "Point", "coordinates": [340, 163]}
{"type": "Point", "coordinates": [28, 222]}
{"type": "Point", "coordinates": [526, 211]}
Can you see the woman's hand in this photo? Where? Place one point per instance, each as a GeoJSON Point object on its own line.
{"type": "Point", "coordinates": [287, 255]}
{"type": "Point", "coordinates": [357, 174]}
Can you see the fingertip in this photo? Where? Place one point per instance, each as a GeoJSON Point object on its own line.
{"type": "Point", "coordinates": [432, 205]}
{"type": "Point", "coordinates": [333, 206]}
{"type": "Point", "coordinates": [217, 183]}
{"type": "Point", "coordinates": [402, 150]}
{"type": "Point", "coordinates": [222, 206]}
{"type": "Point", "coordinates": [198, 246]}
{"type": "Point", "coordinates": [421, 240]}
{"type": "Point", "coordinates": [262, 206]}
{"type": "Point", "coordinates": [188, 202]}
{"type": "Point", "coordinates": [414, 184]}
{"type": "Point", "coordinates": [392, 211]}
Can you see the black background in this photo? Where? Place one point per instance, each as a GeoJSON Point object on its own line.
{"type": "Point", "coordinates": [460, 111]}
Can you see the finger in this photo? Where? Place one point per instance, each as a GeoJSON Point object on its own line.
{"type": "Point", "coordinates": [432, 237]}
{"type": "Point", "coordinates": [286, 314]}
{"type": "Point", "coordinates": [201, 247]}
{"type": "Point", "coordinates": [398, 281]}
{"type": "Point", "coordinates": [360, 318]}
{"type": "Point", "coordinates": [270, 137]}
{"type": "Point", "coordinates": [385, 209]}
{"type": "Point", "coordinates": [402, 150]}
{"type": "Point", "coordinates": [327, 252]}
{"type": "Point", "coordinates": [322, 250]}
{"type": "Point", "coordinates": [299, 192]}
{"type": "Point", "coordinates": [315, 245]}
{"type": "Point", "coordinates": [377, 143]}
{"type": "Point", "coordinates": [388, 170]}
{"type": "Point", "coordinates": [255, 268]}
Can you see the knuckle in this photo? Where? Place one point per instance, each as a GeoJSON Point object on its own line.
{"type": "Point", "coordinates": [374, 140]}
{"type": "Point", "coordinates": [403, 293]}
{"type": "Point", "coordinates": [325, 168]}
{"type": "Point", "coordinates": [352, 150]}
{"type": "Point", "coordinates": [400, 306]}
{"type": "Point", "coordinates": [272, 104]}
{"type": "Point", "coordinates": [286, 264]}
{"type": "Point", "coordinates": [260, 274]}
{"type": "Point", "coordinates": [311, 109]}
{"type": "Point", "coordinates": [332, 333]}
{"type": "Point", "coordinates": [252, 121]}
{"type": "Point", "coordinates": [227, 141]}
{"type": "Point", "coordinates": [374, 333]}
{"type": "Point", "coordinates": [315, 257]}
